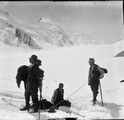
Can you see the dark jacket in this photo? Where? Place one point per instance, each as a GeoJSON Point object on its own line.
{"type": "Point", "coordinates": [95, 72]}
{"type": "Point", "coordinates": [94, 76]}
{"type": "Point", "coordinates": [34, 75]}
{"type": "Point", "coordinates": [57, 96]}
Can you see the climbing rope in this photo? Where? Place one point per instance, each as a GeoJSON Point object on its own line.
{"type": "Point", "coordinates": [69, 95]}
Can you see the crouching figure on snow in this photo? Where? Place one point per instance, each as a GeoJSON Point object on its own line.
{"type": "Point", "coordinates": [58, 97]}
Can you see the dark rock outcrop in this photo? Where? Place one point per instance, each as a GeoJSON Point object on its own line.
{"type": "Point", "coordinates": [23, 37]}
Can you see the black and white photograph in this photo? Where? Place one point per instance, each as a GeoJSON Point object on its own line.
{"type": "Point", "coordinates": [61, 60]}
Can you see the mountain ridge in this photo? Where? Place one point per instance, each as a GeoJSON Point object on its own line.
{"type": "Point", "coordinates": [45, 31]}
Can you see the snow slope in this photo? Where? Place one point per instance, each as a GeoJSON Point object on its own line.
{"type": "Point", "coordinates": [69, 66]}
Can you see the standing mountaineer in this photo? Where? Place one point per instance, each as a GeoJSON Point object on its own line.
{"type": "Point", "coordinates": [33, 82]}
{"type": "Point", "coordinates": [95, 74]}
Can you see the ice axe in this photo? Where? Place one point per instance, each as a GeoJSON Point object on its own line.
{"type": "Point", "coordinates": [40, 104]}
{"type": "Point", "coordinates": [101, 93]}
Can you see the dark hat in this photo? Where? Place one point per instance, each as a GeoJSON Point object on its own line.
{"type": "Point", "coordinates": [61, 84]}
{"type": "Point", "coordinates": [34, 57]}
{"type": "Point", "coordinates": [91, 59]}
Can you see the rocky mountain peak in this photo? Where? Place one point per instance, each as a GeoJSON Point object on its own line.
{"type": "Point", "coordinates": [23, 37]}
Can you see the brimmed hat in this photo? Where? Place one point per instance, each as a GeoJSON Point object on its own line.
{"type": "Point", "coordinates": [34, 57]}
{"type": "Point", "coordinates": [91, 59]}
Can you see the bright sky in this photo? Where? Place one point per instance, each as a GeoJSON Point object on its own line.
{"type": "Point", "coordinates": [104, 19]}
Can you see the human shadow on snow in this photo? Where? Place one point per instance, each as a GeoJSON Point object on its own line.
{"type": "Point", "coordinates": [113, 108]}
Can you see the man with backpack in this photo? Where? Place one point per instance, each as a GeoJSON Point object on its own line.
{"type": "Point", "coordinates": [22, 74]}
{"type": "Point", "coordinates": [33, 83]}
{"type": "Point", "coordinates": [95, 74]}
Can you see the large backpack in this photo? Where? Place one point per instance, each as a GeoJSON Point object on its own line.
{"type": "Point", "coordinates": [22, 74]}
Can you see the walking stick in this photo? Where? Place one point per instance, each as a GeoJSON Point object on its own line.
{"type": "Point", "coordinates": [101, 93]}
{"type": "Point", "coordinates": [39, 106]}
{"type": "Point", "coordinates": [43, 104]}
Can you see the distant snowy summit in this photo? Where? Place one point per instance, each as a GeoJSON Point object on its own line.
{"type": "Point", "coordinates": [45, 32]}
{"type": "Point", "coordinates": [45, 19]}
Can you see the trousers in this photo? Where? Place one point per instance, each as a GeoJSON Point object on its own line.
{"type": "Point", "coordinates": [95, 87]}
{"type": "Point", "coordinates": [31, 90]}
